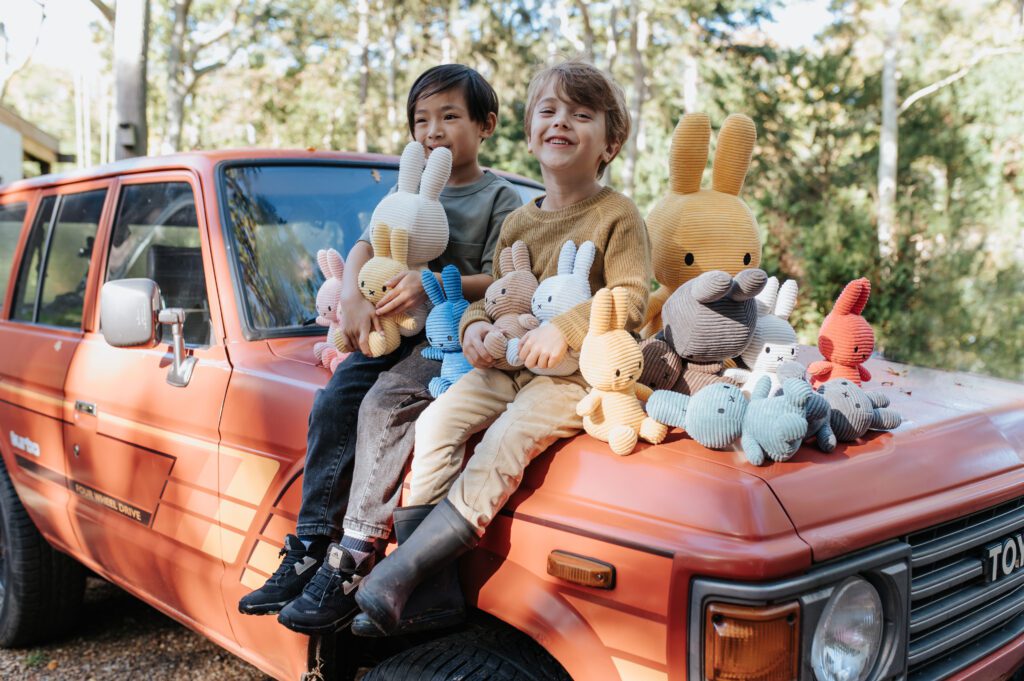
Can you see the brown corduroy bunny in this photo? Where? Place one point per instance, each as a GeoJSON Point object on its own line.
{"type": "Point", "coordinates": [694, 230]}
{"type": "Point", "coordinates": [507, 302]}
{"type": "Point", "coordinates": [611, 362]}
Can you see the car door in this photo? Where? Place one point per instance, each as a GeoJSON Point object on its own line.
{"type": "Point", "coordinates": [142, 453]}
{"type": "Point", "coordinates": [39, 333]}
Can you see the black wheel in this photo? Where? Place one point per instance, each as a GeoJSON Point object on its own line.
{"type": "Point", "coordinates": [480, 654]}
{"type": "Point", "coordinates": [41, 589]}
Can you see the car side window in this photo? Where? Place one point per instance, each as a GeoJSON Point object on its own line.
{"type": "Point", "coordinates": [12, 217]}
{"type": "Point", "coordinates": [156, 236]}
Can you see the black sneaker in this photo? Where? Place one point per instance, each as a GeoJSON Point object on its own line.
{"type": "Point", "coordinates": [328, 603]}
{"type": "Point", "coordinates": [296, 570]}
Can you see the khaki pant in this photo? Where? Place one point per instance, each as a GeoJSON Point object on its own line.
{"type": "Point", "coordinates": [526, 413]}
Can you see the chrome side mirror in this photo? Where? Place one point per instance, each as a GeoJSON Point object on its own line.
{"type": "Point", "coordinates": [131, 317]}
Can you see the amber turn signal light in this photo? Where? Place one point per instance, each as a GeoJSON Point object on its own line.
{"type": "Point", "coordinates": [743, 643]}
{"type": "Point", "coordinates": [581, 570]}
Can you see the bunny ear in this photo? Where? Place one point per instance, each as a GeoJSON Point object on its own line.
{"type": "Point", "coordinates": [400, 246]}
{"type": "Point", "coordinates": [431, 287]}
{"type": "Point", "coordinates": [452, 282]}
{"type": "Point", "coordinates": [335, 263]}
{"type": "Point", "coordinates": [410, 168]}
{"type": "Point", "coordinates": [689, 153]}
{"type": "Point", "coordinates": [380, 239]}
{"type": "Point", "coordinates": [584, 260]}
{"type": "Point", "coordinates": [732, 155]}
{"type": "Point", "coordinates": [620, 298]}
{"type": "Point", "coordinates": [786, 301]}
{"type": "Point", "coordinates": [766, 298]}
{"type": "Point", "coordinates": [505, 261]}
{"type": "Point", "coordinates": [325, 267]}
{"type": "Point", "coordinates": [520, 257]}
{"type": "Point", "coordinates": [566, 257]}
{"type": "Point", "coordinates": [439, 169]}
{"type": "Point", "coordinates": [854, 297]}
{"type": "Point", "coordinates": [602, 310]}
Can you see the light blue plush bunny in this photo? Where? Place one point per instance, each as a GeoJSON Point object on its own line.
{"type": "Point", "coordinates": [443, 327]}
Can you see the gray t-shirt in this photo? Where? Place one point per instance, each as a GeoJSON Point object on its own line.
{"type": "Point", "coordinates": [475, 213]}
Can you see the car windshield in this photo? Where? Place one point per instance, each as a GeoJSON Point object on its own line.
{"type": "Point", "coordinates": [278, 216]}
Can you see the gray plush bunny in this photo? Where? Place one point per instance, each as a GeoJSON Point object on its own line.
{"type": "Point", "coordinates": [856, 411]}
{"type": "Point", "coordinates": [707, 320]}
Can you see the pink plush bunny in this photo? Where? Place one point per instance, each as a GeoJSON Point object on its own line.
{"type": "Point", "coordinates": [846, 339]}
{"type": "Point", "coordinates": [328, 306]}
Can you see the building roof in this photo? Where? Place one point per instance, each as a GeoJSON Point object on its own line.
{"type": "Point", "coordinates": [35, 142]}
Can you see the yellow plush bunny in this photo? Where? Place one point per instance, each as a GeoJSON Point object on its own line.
{"type": "Point", "coordinates": [390, 258]}
{"type": "Point", "coordinates": [611, 362]}
{"type": "Point", "coordinates": [696, 230]}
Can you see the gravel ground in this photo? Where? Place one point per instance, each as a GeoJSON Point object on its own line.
{"type": "Point", "coordinates": [122, 638]}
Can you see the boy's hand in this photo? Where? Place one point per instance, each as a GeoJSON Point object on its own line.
{"type": "Point", "coordinates": [358, 319]}
{"type": "Point", "coordinates": [473, 345]}
{"type": "Point", "coordinates": [405, 291]}
{"type": "Point", "coordinates": [543, 347]}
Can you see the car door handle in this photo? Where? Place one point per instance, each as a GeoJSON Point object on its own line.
{"type": "Point", "coordinates": [85, 407]}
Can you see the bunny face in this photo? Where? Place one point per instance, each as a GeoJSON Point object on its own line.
{"type": "Point", "coordinates": [415, 205]}
{"type": "Point", "coordinates": [390, 250]}
{"type": "Point", "coordinates": [774, 340]}
{"type": "Point", "coordinates": [512, 293]}
{"type": "Point", "coordinates": [696, 230]}
{"type": "Point", "coordinates": [610, 359]}
{"type": "Point", "coordinates": [852, 409]}
{"type": "Point", "coordinates": [568, 288]}
{"type": "Point", "coordinates": [715, 415]}
{"type": "Point", "coordinates": [442, 325]}
{"type": "Point", "coordinates": [328, 297]}
{"type": "Point", "coordinates": [846, 338]}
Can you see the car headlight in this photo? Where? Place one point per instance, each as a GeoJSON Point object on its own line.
{"type": "Point", "coordinates": [848, 637]}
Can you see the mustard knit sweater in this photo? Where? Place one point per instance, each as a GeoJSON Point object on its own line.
{"type": "Point", "coordinates": [613, 223]}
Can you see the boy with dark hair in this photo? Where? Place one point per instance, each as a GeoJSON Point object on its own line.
{"type": "Point", "coordinates": [366, 411]}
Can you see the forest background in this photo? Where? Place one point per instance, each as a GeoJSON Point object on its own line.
{"type": "Point", "coordinates": [890, 144]}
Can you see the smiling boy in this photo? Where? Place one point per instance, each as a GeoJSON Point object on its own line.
{"type": "Point", "coordinates": [576, 121]}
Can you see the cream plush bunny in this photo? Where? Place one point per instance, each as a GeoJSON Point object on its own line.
{"type": "Point", "coordinates": [415, 207]}
{"type": "Point", "coordinates": [696, 230]}
{"type": "Point", "coordinates": [328, 305]}
{"type": "Point", "coordinates": [774, 340]}
{"type": "Point", "coordinates": [611, 362]}
{"type": "Point", "coordinates": [507, 302]}
{"type": "Point", "coordinates": [558, 294]}
{"type": "Point", "coordinates": [390, 258]}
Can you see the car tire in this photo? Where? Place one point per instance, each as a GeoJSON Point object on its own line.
{"type": "Point", "coordinates": [481, 654]}
{"type": "Point", "coordinates": [41, 589]}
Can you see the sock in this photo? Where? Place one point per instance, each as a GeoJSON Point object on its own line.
{"type": "Point", "coordinates": [359, 545]}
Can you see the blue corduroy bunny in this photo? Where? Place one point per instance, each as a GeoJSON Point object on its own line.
{"type": "Point", "coordinates": [442, 327]}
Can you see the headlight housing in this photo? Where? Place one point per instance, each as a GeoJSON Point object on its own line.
{"type": "Point", "coordinates": [848, 637]}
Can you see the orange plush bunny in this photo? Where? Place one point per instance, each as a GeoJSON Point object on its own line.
{"type": "Point", "coordinates": [846, 339]}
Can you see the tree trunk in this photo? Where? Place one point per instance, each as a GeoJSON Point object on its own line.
{"type": "Point", "coordinates": [176, 90]}
{"type": "Point", "coordinates": [362, 117]}
{"type": "Point", "coordinates": [637, 45]}
{"type": "Point", "coordinates": [889, 137]}
{"type": "Point", "coordinates": [691, 84]}
{"type": "Point", "coordinates": [588, 31]}
{"type": "Point", "coordinates": [391, 57]}
{"type": "Point", "coordinates": [611, 50]}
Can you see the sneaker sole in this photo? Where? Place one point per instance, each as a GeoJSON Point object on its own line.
{"type": "Point", "coordinates": [264, 609]}
{"type": "Point", "coordinates": [327, 628]}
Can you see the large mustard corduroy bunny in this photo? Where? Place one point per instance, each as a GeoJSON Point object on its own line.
{"type": "Point", "coordinates": [611, 362]}
{"type": "Point", "coordinates": [696, 230]}
{"type": "Point", "coordinates": [390, 258]}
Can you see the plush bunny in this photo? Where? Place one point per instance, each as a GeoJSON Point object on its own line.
{"type": "Point", "coordinates": [611, 362]}
{"type": "Point", "coordinates": [443, 327]}
{"type": "Point", "coordinates": [846, 339]}
{"type": "Point", "coordinates": [328, 304]}
{"type": "Point", "coordinates": [558, 294]}
{"type": "Point", "coordinates": [774, 340]}
{"type": "Point", "coordinates": [856, 411]}
{"type": "Point", "coordinates": [390, 258]}
{"type": "Point", "coordinates": [708, 320]}
{"type": "Point", "coordinates": [331, 358]}
{"type": "Point", "coordinates": [507, 302]}
{"type": "Point", "coordinates": [696, 230]}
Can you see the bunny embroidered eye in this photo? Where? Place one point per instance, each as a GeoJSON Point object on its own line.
{"type": "Point", "coordinates": [855, 347]}
{"type": "Point", "coordinates": [449, 337]}
{"type": "Point", "coordinates": [767, 350]}
{"type": "Point", "coordinates": [549, 299]}
{"type": "Point", "coordinates": [688, 259]}
{"type": "Point", "coordinates": [362, 284]}
{"type": "Point", "coordinates": [383, 288]}
{"type": "Point", "coordinates": [503, 291]}
{"type": "Point", "coordinates": [746, 259]}
{"type": "Point", "coordinates": [617, 373]}
{"type": "Point", "coordinates": [792, 351]}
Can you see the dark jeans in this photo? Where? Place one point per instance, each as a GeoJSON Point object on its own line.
{"type": "Point", "coordinates": [365, 414]}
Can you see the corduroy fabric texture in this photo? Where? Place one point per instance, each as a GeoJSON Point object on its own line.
{"type": "Point", "coordinates": [328, 305]}
{"type": "Point", "coordinates": [712, 417]}
{"type": "Point", "coordinates": [608, 219]}
{"type": "Point", "coordinates": [774, 340]}
{"type": "Point", "coordinates": [856, 411]}
{"type": "Point", "coordinates": [696, 230]}
{"type": "Point", "coordinates": [611, 362]}
{"type": "Point", "coordinates": [507, 302]}
{"type": "Point", "coordinates": [443, 327]}
{"type": "Point", "coordinates": [774, 427]}
{"type": "Point", "coordinates": [390, 258]}
{"type": "Point", "coordinates": [846, 340]}
{"type": "Point", "coordinates": [558, 295]}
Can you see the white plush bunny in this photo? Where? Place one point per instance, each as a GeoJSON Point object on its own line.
{"type": "Point", "coordinates": [774, 341]}
{"type": "Point", "coordinates": [558, 294]}
{"type": "Point", "coordinates": [328, 305]}
{"type": "Point", "coordinates": [415, 207]}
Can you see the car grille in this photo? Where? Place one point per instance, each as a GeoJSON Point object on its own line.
{"type": "Point", "coordinates": [956, 616]}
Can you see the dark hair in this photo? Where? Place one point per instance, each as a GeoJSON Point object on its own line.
{"type": "Point", "coordinates": [481, 100]}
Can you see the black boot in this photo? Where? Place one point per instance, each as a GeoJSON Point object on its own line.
{"type": "Point", "coordinates": [292, 576]}
{"type": "Point", "coordinates": [441, 537]}
{"type": "Point", "coordinates": [328, 602]}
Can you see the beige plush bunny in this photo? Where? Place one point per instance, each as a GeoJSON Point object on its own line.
{"type": "Point", "coordinates": [390, 257]}
{"type": "Point", "coordinates": [611, 362]}
{"type": "Point", "coordinates": [696, 230]}
{"type": "Point", "coordinates": [507, 302]}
